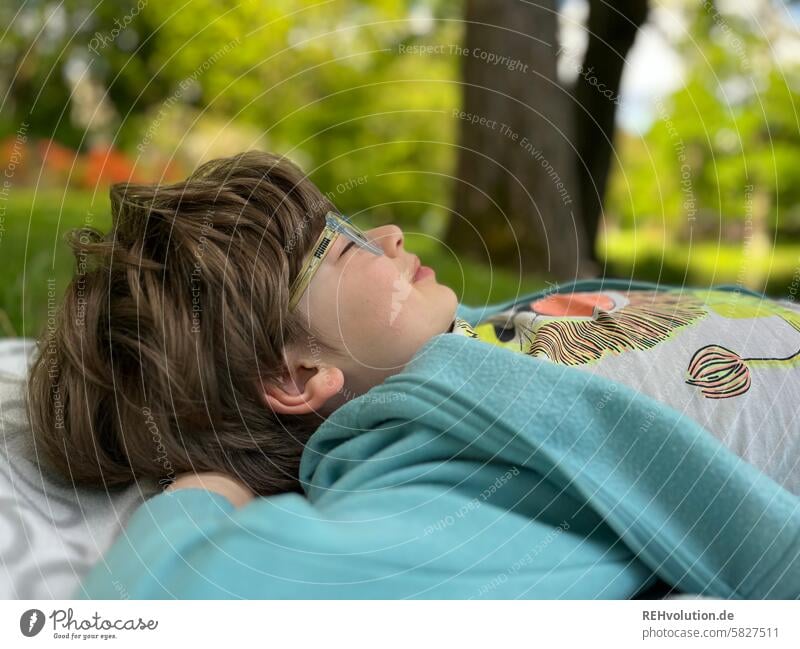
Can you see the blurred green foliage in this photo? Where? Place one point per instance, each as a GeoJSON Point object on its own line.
{"type": "Point", "coordinates": [712, 187]}
{"type": "Point", "coordinates": [328, 84]}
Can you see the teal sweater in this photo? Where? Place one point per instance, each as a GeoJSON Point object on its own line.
{"type": "Point", "coordinates": [479, 473]}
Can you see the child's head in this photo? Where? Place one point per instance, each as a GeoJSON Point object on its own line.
{"type": "Point", "coordinates": [372, 310]}
{"type": "Point", "coordinates": [174, 349]}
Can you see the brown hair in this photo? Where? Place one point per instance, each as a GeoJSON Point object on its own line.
{"type": "Point", "coordinates": [172, 321]}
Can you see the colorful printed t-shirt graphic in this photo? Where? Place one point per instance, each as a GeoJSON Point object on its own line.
{"type": "Point", "coordinates": [728, 360]}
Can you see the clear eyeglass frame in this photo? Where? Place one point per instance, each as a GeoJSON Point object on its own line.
{"type": "Point", "coordinates": [335, 225]}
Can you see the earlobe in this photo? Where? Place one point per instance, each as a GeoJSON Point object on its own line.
{"type": "Point", "coordinates": [286, 399]}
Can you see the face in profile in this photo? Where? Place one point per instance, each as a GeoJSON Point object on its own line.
{"type": "Point", "coordinates": [378, 310]}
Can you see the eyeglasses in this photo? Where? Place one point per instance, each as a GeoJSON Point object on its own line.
{"type": "Point", "coordinates": [334, 226]}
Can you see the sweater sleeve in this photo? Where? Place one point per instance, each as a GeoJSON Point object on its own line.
{"type": "Point", "coordinates": [152, 543]}
{"type": "Point", "coordinates": [427, 543]}
{"type": "Point", "coordinates": [194, 544]}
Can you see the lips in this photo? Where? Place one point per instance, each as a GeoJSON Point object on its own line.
{"type": "Point", "coordinates": [422, 272]}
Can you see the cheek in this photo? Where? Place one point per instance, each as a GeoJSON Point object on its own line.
{"type": "Point", "coordinates": [373, 291]}
{"type": "Point", "coordinates": [377, 311]}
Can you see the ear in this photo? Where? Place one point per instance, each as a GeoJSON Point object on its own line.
{"type": "Point", "coordinates": [306, 393]}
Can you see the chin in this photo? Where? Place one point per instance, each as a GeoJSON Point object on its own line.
{"type": "Point", "coordinates": [449, 295]}
{"type": "Point", "coordinates": [446, 302]}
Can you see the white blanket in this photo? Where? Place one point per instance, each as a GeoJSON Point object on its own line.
{"type": "Point", "coordinates": [50, 532]}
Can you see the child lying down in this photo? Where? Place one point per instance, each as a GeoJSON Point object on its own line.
{"type": "Point", "coordinates": [222, 319]}
{"type": "Point", "coordinates": [226, 318]}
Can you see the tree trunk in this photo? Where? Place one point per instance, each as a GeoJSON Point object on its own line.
{"type": "Point", "coordinates": [516, 192]}
{"type": "Point", "coordinates": [612, 30]}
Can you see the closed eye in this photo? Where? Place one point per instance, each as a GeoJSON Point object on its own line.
{"type": "Point", "coordinates": [345, 249]}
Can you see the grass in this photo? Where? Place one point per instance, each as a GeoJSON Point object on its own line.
{"type": "Point", "coordinates": [37, 265]}
{"type": "Point", "coordinates": [774, 270]}
{"type": "Point", "coordinates": [35, 262]}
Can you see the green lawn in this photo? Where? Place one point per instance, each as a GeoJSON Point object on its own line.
{"type": "Point", "coordinates": [32, 252]}
{"type": "Point", "coordinates": [644, 255]}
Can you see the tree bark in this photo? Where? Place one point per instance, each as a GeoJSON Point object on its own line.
{"type": "Point", "coordinates": [612, 31]}
{"type": "Point", "coordinates": [516, 192]}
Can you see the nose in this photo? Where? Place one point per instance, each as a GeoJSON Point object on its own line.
{"type": "Point", "coordinates": [388, 237]}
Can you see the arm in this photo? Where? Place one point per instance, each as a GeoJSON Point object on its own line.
{"type": "Point", "coordinates": [192, 543]}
